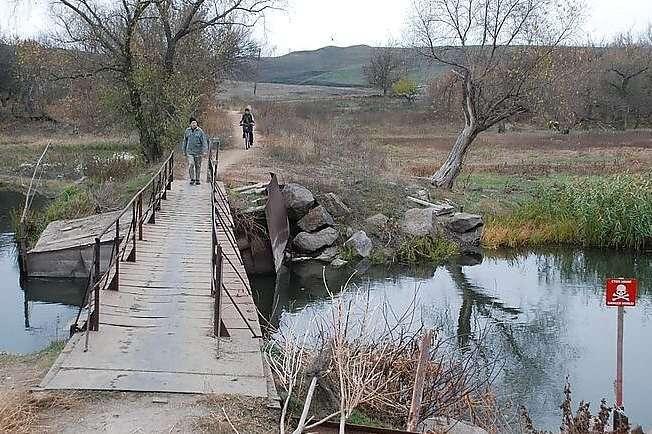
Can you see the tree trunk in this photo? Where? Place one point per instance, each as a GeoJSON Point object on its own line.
{"type": "Point", "coordinates": [445, 176]}
{"type": "Point", "coordinates": [150, 143]}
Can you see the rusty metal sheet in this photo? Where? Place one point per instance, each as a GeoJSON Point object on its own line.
{"type": "Point", "coordinates": [277, 221]}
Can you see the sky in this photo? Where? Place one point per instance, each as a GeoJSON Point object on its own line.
{"type": "Point", "coordinates": [312, 24]}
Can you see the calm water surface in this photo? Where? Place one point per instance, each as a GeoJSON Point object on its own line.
{"type": "Point", "coordinates": [546, 315]}
{"type": "Point", "coordinates": [35, 312]}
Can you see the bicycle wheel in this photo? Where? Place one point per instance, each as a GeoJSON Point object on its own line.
{"type": "Point", "coordinates": [246, 140]}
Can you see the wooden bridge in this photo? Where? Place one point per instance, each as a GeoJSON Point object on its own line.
{"type": "Point", "coordinates": [170, 309]}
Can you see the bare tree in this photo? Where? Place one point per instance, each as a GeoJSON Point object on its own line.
{"type": "Point", "coordinates": [497, 50]}
{"type": "Point", "coordinates": [137, 43]}
{"type": "Point", "coordinates": [628, 63]}
{"type": "Point", "coordinates": [385, 67]}
{"type": "Point", "coordinates": [105, 38]}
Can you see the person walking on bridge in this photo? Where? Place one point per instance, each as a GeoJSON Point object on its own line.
{"type": "Point", "coordinates": [194, 146]}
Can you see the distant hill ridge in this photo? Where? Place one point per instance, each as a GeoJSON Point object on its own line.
{"type": "Point", "coordinates": [329, 66]}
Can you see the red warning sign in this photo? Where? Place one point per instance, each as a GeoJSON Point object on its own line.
{"type": "Point", "coordinates": [621, 292]}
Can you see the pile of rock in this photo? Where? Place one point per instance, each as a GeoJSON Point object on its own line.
{"type": "Point", "coordinates": [462, 228]}
{"type": "Point", "coordinates": [312, 225]}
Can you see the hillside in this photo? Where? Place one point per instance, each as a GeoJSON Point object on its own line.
{"type": "Point", "coordinates": [330, 66]}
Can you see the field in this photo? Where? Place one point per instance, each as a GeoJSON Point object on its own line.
{"type": "Point", "coordinates": [242, 91]}
{"type": "Point", "coordinates": [375, 151]}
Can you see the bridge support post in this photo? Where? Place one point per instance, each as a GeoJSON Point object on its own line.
{"type": "Point", "coordinates": [134, 226]}
{"type": "Point", "coordinates": [170, 173]}
{"type": "Point", "coordinates": [95, 316]}
{"type": "Point", "coordinates": [158, 192]}
{"type": "Point", "coordinates": [115, 282]}
{"type": "Point", "coordinates": [140, 217]}
{"type": "Point", "coordinates": [152, 218]}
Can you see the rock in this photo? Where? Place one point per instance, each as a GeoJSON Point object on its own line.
{"type": "Point", "coordinates": [328, 254]}
{"type": "Point", "coordinates": [337, 263]}
{"type": "Point", "coordinates": [298, 200]}
{"type": "Point", "coordinates": [349, 232]}
{"type": "Point", "coordinates": [311, 242]}
{"type": "Point", "coordinates": [334, 205]}
{"type": "Point", "coordinates": [449, 425]}
{"type": "Point", "coordinates": [360, 243]}
{"type": "Point", "coordinates": [464, 222]}
{"type": "Point", "coordinates": [378, 221]}
{"type": "Point", "coordinates": [316, 218]}
{"type": "Point", "coordinates": [463, 229]}
{"type": "Point", "coordinates": [419, 222]}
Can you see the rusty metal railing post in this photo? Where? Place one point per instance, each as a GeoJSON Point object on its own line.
{"type": "Point", "coordinates": [218, 295]}
{"type": "Point", "coordinates": [134, 226]}
{"type": "Point", "coordinates": [170, 172]}
{"type": "Point", "coordinates": [152, 218]}
{"type": "Point", "coordinates": [164, 186]}
{"type": "Point", "coordinates": [140, 217]}
{"type": "Point", "coordinates": [158, 191]}
{"type": "Point", "coordinates": [115, 283]}
{"type": "Point", "coordinates": [95, 319]}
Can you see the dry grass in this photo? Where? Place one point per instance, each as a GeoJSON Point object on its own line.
{"type": "Point", "coordinates": [247, 415]}
{"type": "Point", "coordinates": [20, 410]}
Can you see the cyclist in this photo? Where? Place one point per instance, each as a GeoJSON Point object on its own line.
{"type": "Point", "coordinates": [247, 123]}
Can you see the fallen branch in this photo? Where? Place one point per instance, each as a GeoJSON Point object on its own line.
{"type": "Point", "coordinates": [441, 208]}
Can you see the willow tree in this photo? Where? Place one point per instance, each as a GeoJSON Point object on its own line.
{"type": "Point", "coordinates": [497, 50]}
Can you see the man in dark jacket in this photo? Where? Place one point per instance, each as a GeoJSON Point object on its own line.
{"type": "Point", "coordinates": [194, 146]}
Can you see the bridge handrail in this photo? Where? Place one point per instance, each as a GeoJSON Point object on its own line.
{"type": "Point", "coordinates": [217, 254]}
{"type": "Point", "coordinates": [159, 184]}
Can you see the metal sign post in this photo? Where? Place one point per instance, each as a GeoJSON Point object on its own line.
{"type": "Point", "coordinates": [620, 293]}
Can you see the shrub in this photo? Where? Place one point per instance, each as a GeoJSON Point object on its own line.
{"type": "Point", "coordinates": [73, 202]}
{"type": "Point", "coordinates": [406, 88]}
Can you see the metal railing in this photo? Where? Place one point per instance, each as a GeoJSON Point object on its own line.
{"type": "Point", "coordinates": [153, 192]}
{"type": "Point", "coordinates": [221, 217]}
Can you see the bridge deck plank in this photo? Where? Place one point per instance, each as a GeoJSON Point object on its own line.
{"type": "Point", "coordinates": [156, 332]}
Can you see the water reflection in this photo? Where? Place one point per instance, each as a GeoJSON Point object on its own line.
{"type": "Point", "coordinates": [544, 309]}
{"type": "Point", "coordinates": [33, 312]}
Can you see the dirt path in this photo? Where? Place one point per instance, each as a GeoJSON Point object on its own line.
{"type": "Point", "coordinates": [232, 157]}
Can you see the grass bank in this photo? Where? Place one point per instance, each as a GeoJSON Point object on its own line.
{"type": "Point", "coordinates": [610, 211]}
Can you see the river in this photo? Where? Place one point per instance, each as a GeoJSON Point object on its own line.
{"type": "Point", "coordinates": [544, 310]}
{"type": "Point", "coordinates": [33, 312]}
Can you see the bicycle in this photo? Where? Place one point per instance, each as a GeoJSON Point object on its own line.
{"type": "Point", "coordinates": [248, 136]}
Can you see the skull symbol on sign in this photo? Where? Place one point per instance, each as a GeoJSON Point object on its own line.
{"type": "Point", "coordinates": [621, 293]}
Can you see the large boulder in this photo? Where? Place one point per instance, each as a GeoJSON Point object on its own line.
{"type": "Point", "coordinates": [463, 222]}
{"type": "Point", "coordinates": [419, 222]}
{"type": "Point", "coordinates": [360, 243]}
{"type": "Point", "coordinates": [463, 229]}
{"type": "Point", "coordinates": [298, 200]}
{"type": "Point", "coordinates": [311, 242]}
{"type": "Point", "coordinates": [316, 218]}
{"type": "Point", "coordinates": [334, 205]}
